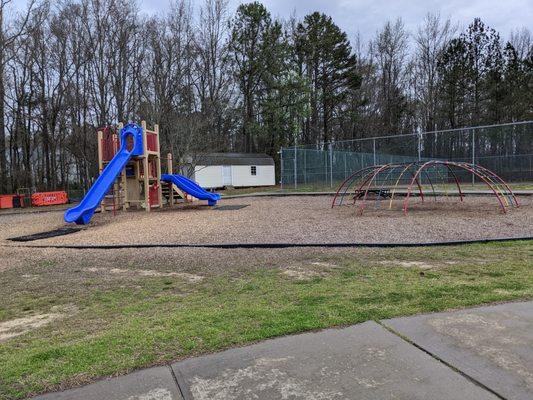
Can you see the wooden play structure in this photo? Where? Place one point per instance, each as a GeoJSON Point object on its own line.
{"type": "Point", "coordinates": [170, 190]}
{"type": "Point", "coordinates": [139, 184]}
{"type": "Point", "coordinates": [130, 175]}
{"type": "Point", "coordinates": [134, 188]}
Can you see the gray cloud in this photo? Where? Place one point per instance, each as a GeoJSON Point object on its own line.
{"type": "Point", "coordinates": [367, 16]}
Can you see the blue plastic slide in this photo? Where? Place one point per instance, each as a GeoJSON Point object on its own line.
{"type": "Point", "coordinates": [192, 188]}
{"type": "Point", "coordinates": [82, 213]}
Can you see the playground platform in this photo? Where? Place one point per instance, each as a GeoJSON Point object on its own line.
{"type": "Point", "coordinates": [479, 353]}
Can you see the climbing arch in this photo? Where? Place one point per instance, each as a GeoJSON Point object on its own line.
{"type": "Point", "coordinates": [386, 181]}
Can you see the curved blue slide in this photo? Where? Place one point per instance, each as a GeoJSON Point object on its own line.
{"type": "Point", "coordinates": [83, 212]}
{"type": "Point", "coordinates": [192, 188]}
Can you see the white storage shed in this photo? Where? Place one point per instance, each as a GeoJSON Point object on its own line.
{"type": "Point", "coordinates": [217, 170]}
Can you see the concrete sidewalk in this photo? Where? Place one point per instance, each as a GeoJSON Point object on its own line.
{"type": "Point", "coordinates": [480, 353]}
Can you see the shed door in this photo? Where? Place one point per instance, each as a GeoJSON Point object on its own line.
{"type": "Point", "coordinates": [226, 175]}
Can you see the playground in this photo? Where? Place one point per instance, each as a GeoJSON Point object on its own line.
{"type": "Point", "coordinates": [150, 268]}
{"type": "Point", "coordinates": [131, 181]}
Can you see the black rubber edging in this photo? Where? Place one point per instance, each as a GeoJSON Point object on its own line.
{"type": "Point", "coordinates": [270, 245]}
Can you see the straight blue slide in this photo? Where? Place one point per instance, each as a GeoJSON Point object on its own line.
{"type": "Point", "coordinates": [83, 212]}
{"type": "Point", "coordinates": [191, 187]}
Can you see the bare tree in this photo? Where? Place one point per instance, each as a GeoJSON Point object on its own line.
{"type": "Point", "coordinates": [168, 89]}
{"type": "Point", "coordinates": [8, 36]}
{"type": "Point", "coordinates": [389, 51]}
{"type": "Point", "coordinates": [431, 39]}
{"type": "Point", "coordinates": [522, 42]}
{"type": "Point", "coordinates": [212, 61]}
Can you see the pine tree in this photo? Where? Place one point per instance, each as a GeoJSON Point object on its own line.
{"type": "Point", "coordinates": [453, 72]}
{"type": "Point", "coordinates": [255, 47]}
{"type": "Point", "coordinates": [330, 67]}
{"type": "Point", "coordinates": [485, 62]}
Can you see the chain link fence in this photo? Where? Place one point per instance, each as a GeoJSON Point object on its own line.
{"type": "Point", "coordinates": [506, 149]}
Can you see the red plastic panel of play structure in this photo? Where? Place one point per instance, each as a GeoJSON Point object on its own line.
{"type": "Point", "coordinates": [154, 194]}
{"type": "Point", "coordinates": [49, 198]}
{"type": "Point", "coordinates": [110, 143]}
{"type": "Point", "coordinates": [151, 141]}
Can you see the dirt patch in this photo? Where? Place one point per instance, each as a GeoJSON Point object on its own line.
{"type": "Point", "coordinates": [324, 264]}
{"type": "Point", "coordinates": [308, 271]}
{"type": "Point", "coordinates": [410, 264]}
{"type": "Point", "coordinates": [191, 278]}
{"type": "Point", "coordinates": [19, 326]}
{"type": "Point", "coordinates": [301, 273]}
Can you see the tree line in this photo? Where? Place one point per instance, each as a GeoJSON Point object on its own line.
{"type": "Point", "coordinates": [244, 81]}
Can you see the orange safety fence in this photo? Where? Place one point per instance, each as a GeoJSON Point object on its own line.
{"type": "Point", "coordinates": [6, 200]}
{"type": "Point", "coordinates": [13, 200]}
{"type": "Point", "coordinates": [49, 198]}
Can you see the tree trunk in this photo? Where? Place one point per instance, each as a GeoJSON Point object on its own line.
{"type": "Point", "coordinates": [3, 159]}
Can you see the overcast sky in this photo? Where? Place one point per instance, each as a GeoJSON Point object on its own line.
{"type": "Point", "coordinates": [367, 16]}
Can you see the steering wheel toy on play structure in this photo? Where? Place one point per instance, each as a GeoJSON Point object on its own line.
{"type": "Point", "coordinates": [384, 182]}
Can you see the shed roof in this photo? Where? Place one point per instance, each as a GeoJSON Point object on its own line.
{"type": "Point", "coordinates": [234, 159]}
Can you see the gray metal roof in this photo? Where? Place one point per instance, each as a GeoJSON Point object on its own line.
{"type": "Point", "coordinates": [234, 159]}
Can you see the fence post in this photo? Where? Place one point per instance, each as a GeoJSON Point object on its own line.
{"type": "Point", "coordinates": [345, 167]}
{"type": "Point", "coordinates": [374, 150]}
{"type": "Point", "coordinates": [330, 165]}
{"type": "Point", "coordinates": [473, 154]}
{"type": "Point", "coordinates": [305, 167]}
{"type": "Point", "coordinates": [325, 166]}
{"type": "Point", "coordinates": [281, 166]}
{"type": "Point", "coordinates": [295, 169]}
{"type": "Point", "coordinates": [419, 146]}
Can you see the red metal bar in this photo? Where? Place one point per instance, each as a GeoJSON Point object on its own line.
{"type": "Point", "coordinates": [345, 181]}
{"type": "Point", "coordinates": [484, 174]}
{"type": "Point", "coordinates": [517, 203]}
{"type": "Point", "coordinates": [369, 176]}
{"type": "Point", "coordinates": [382, 168]}
{"type": "Point", "coordinates": [432, 188]}
{"type": "Point", "coordinates": [398, 181]}
{"type": "Point", "coordinates": [359, 189]}
{"type": "Point", "coordinates": [467, 167]}
{"type": "Point", "coordinates": [386, 180]}
{"type": "Point", "coordinates": [456, 180]}
{"type": "Point", "coordinates": [409, 188]}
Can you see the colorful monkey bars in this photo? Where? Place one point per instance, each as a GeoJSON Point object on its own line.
{"type": "Point", "coordinates": [410, 179]}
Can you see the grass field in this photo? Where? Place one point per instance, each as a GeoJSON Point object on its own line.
{"type": "Point", "coordinates": [70, 317]}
